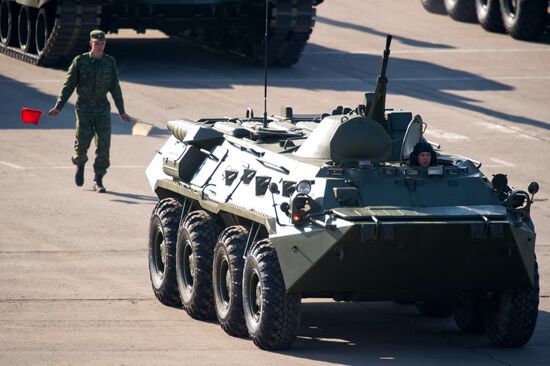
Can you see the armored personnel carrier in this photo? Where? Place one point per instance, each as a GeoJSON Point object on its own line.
{"type": "Point", "coordinates": [256, 213]}
{"type": "Point", "coordinates": [46, 32]}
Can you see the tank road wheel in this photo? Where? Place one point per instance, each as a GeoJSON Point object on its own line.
{"type": "Point", "coordinates": [488, 15]}
{"type": "Point", "coordinates": [511, 315]}
{"type": "Point", "coordinates": [468, 314]}
{"type": "Point", "coordinates": [434, 6]}
{"type": "Point", "coordinates": [436, 308]}
{"type": "Point", "coordinates": [43, 30]}
{"type": "Point", "coordinates": [163, 233]}
{"type": "Point", "coordinates": [25, 28]}
{"type": "Point", "coordinates": [227, 275]}
{"type": "Point", "coordinates": [272, 315]}
{"type": "Point", "coordinates": [8, 24]}
{"type": "Point", "coordinates": [524, 19]}
{"type": "Point", "coordinates": [196, 240]}
{"type": "Point", "coordinates": [461, 10]}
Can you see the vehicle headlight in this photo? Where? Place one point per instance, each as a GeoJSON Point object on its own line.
{"type": "Point", "coordinates": [303, 187]}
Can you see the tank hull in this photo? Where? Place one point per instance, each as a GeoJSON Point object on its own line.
{"type": "Point", "coordinates": [47, 32]}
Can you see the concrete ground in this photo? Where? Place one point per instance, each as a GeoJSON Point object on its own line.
{"type": "Point", "coordinates": [74, 282]}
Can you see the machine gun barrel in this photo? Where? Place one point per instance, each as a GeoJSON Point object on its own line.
{"type": "Point", "coordinates": [377, 107]}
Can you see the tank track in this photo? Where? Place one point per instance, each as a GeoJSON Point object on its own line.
{"type": "Point", "coordinates": [290, 25]}
{"type": "Point", "coordinates": [70, 33]}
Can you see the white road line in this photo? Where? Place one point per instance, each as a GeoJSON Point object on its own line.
{"type": "Point", "coordinates": [516, 131]}
{"type": "Point", "coordinates": [444, 135]}
{"type": "Point", "coordinates": [431, 51]}
{"type": "Point", "coordinates": [14, 166]}
{"type": "Point", "coordinates": [499, 164]}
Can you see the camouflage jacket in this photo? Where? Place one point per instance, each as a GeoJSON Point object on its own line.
{"type": "Point", "coordinates": [93, 79]}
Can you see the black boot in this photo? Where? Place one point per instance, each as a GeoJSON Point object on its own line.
{"type": "Point", "coordinates": [98, 184]}
{"type": "Point", "coordinates": [79, 175]}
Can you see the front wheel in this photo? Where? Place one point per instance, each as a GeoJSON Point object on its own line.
{"type": "Point", "coordinates": [163, 232]}
{"type": "Point", "coordinates": [468, 314]}
{"type": "Point", "coordinates": [272, 315]}
{"type": "Point", "coordinates": [511, 315]}
{"type": "Point", "coordinates": [227, 276]}
{"type": "Point", "coordinates": [194, 251]}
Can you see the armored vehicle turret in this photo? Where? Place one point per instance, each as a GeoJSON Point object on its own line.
{"type": "Point", "coordinates": [255, 215]}
{"type": "Point", "coordinates": [46, 32]}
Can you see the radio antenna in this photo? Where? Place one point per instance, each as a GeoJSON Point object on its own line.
{"type": "Point", "coordinates": [265, 62]}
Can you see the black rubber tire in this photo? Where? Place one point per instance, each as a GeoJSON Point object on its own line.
{"type": "Point", "coordinates": [462, 10]}
{"type": "Point", "coordinates": [434, 6]}
{"type": "Point", "coordinates": [163, 228]}
{"type": "Point", "coordinates": [43, 29]}
{"type": "Point", "coordinates": [468, 314]}
{"type": "Point", "coordinates": [25, 31]}
{"type": "Point", "coordinates": [8, 24]}
{"type": "Point", "coordinates": [272, 315]}
{"type": "Point", "coordinates": [489, 16]}
{"type": "Point", "coordinates": [197, 238]}
{"type": "Point", "coordinates": [510, 316]}
{"type": "Point", "coordinates": [436, 308]}
{"type": "Point", "coordinates": [227, 278]}
{"type": "Point", "coordinates": [527, 21]}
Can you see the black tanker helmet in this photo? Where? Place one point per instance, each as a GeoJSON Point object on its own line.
{"type": "Point", "coordinates": [423, 146]}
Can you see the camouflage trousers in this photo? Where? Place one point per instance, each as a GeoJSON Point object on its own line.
{"type": "Point", "coordinates": [93, 122]}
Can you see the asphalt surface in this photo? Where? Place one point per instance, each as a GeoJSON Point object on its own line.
{"type": "Point", "coordinates": [74, 282]}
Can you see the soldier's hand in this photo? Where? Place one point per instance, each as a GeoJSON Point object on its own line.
{"type": "Point", "coordinates": [53, 112]}
{"type": "Point", "coordinates": [125, 117]}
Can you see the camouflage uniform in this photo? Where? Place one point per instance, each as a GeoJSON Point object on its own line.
{"type": "Point", "coordinates": [93, 79]}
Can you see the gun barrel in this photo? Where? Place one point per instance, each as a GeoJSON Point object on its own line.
{"type": "Point", "coordinates": [386, 57]}
{"type": "Point", "coordinates": [377, 108]}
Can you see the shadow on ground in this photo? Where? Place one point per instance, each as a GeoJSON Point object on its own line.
{"type": "Point", "coordinates": [144, 61]}
{"type": "Point", "coordinates": [367, 333]}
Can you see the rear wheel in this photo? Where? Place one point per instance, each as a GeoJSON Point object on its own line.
{"type": "Point", "coordinates": [26, 25]}
{"type": "Point", "coordinates": [272, 315]}
{"type": "Point", "coordinates": [511, 315]}
{"type": "Point", "coordinates": [462, 10]}
{"type": "Point", "coordinates": [436, 308]}
{"type": "Point", "coordinates": [163, 233]}
{"type": "Point", "coordinates": [524, 19]}
{"type": "Point", "coordinates": [195, 246]}
{"type": "Point", "coordinates": [488, 15]}
{"type": "Point", "coordinates": [434, 6]}
{"type": "Point", "coordinates": [227, 276]}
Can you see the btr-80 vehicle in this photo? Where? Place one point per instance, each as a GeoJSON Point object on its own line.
{"type": "Point", "coordinates": [257, 213]}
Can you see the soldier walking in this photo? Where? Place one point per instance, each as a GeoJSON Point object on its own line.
{"type": "Point", "coordinates": [93, 74]}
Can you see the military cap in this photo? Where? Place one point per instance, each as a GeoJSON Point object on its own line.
{"type": "Point", "coordinates": [97, 35]}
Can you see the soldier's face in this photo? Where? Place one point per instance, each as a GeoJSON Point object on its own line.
{"type": "Point", "coordinates": [424, 159]}
{"type": "Point", "coordinates": [97, 47]}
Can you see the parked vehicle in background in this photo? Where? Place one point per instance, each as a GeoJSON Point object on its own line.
{"type": "Point", "coordinates": [46, 32]}
{"type": "Point", "coordinates": [522, 19]}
